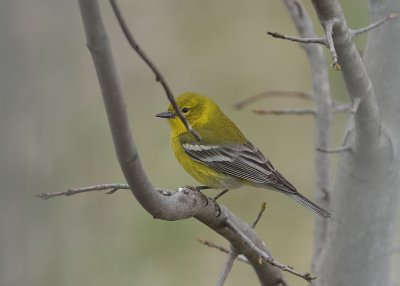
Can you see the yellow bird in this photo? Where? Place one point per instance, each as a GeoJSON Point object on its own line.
{"type": "Point", "coordinates": [223, 158]}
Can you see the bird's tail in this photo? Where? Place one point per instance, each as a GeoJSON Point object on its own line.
{"type": "Point", "coordinates": [308, 204]}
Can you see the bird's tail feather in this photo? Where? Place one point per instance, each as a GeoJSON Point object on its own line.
{"type": "Point", "coordinates": [308, 204]}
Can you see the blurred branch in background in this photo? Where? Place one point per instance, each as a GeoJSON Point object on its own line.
{"type": "Point", "coordinates": [272, 93]}
{"type": "Point", "coordinates": [323, 119]}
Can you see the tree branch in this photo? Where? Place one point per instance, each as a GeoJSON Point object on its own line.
{"type": "Point", "coordinates": [323, 119]}
{"type": "Point", "coordinates": [321, 41]}
{"type": "Point", "coordinates": [227, 267]}
{"type": "Point", "coordinates": [328, 25]}
{"type": "Point", "coordinates": [112, 187]}
{"type": "Point", "coordinates": [155, 203]}
{"type": "Point", "coordinates": [222, 249]}
{"type": "Point", "coordinates": [345, 107]}
{"type": "Point", "coordinates": [334, 150]}
{"type": "Point", "coordinates": [260, 213]}
{"type": "Point", "coordinates": [154, 69]}
{"type": "Point", "coordinates": [303, 111]}
{"type": "Point", "coordinates": [373, 25]}
{"type": "Point", "coordinates": [273, 93]}
{"type": "Point", "coordinates": [354, 74]}
{"type": "Point", "coordinates": [263, 256]}
{"type": "Point", "coordinates": [355, 200]}
{"type": "Point", "coordinates": [285, 111]}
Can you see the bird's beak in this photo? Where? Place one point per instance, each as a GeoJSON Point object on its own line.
{"type": "Point", "coordinates": [166, 114]}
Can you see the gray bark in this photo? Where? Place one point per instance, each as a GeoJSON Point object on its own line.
{"type": "Point", "coordinates": [323, 118]}
{"type": "Point", "coordinates": [366, 192]}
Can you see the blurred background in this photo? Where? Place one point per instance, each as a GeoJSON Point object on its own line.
{"type": "Point", "coordinates": [55, 136]}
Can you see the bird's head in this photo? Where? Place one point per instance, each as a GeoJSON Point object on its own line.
{"type": "Point", "coordinates": [197, 109]}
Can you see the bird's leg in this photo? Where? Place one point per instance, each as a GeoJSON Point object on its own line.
{"type": "Point", "coordinates": [214, 199]}
{"type": "Point", "coordinates": [200, 188]}
{"type": "Point", "coordinates": [220, 195]}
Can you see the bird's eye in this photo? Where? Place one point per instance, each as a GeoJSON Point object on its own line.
{"type": "Point", "coordinates": [185, 109]}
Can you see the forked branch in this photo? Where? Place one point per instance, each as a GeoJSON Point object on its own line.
{"type": "Point", "coordinates": [327, 39]}
{"type": "Point", "coordinates": [263, 256]}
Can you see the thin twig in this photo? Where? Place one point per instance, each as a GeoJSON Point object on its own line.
{"type": "Point", "coordinates": [356, 104]}
{"type": "Point", "coordinates": [346, 107]}
{"type": "Point", "coordinates": [357, 32]}
{"type": "Point", "coordinates": [265, 257]}
{"type": "Point", "coordinates": [154, 69]}
{"type": "Point", "coordinates": [328, 31]}
{"type": "Point", "coordinates": [227, 267]}
{"type": "Point", "coordinates": [285, 111]}
{"type": "Point", "coordinates": [334, 150]}
{"type": "Point", "coordinates": [320, 41]}
{"type": "Point", "coordinates": [300, 111]}
{"type": "Point", "coordinates": [277, 93]}
{"type": "Point", "coordinates": [112, 187]}
{"type": "Point", "coordinates": [260, 213]}
{"type": "Point", "coordinates": [326, 41]}
{"type": "Point", "coordinates": [220, 195]}
{"type": "Point", "coordinates": [103, 187]}
{"type": "Point", "coordinates": [221, 248]}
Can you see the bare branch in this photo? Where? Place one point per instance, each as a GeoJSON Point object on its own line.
{"type": "Point", "coordinates": [354, 73]}
{"type": "Point", "coordinates": [233, 254]}
{"type": "Point", "coordinates": [334, 150]}
{"type": "Point", "coordinates": [103, 187]}
{"type": "Point", "coordinates": [211, 244]}
{"type": "Point", "coordinates": [265, 256]}
{"type": "Point", "coordinates": [320, 41]}
{"type": "Point", "coordinates": [285, 111]}
{"type": "Point", "coordinates": [227, 267]}
{"type": "Point", "coordinates": [272, 93]}
{"type": "Point", "coordinates": [356, 104]}
{"type": "Point", "coordinates": [328, 25]}
{"type": "Point", "coordinates": [183, 204]}
{"type": "Point", "coordinates": [373, 25]}
{"type": "Point", "coordinates": [354, 182]}
{"type": "Point", "coordinates": [151, 65]}
{"type": "Point", "coordinates": [300, 111]}
{"type": "Point", "coordinates": [112, 187]}
{"type": "Point", "coordinates": [260, 213]}
{"type": "Point", "coordinates": [323, 118]}
{"type": "Point", "coordinates": [328, 39]}
{"type": "Point", "coordinates": [346, 107]}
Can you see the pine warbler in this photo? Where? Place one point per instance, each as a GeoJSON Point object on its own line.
{"type": "Point", "coordinates": [224, 158]}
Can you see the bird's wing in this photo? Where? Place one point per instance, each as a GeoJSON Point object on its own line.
{"type": "Point", "coordinates": [243, 161]}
